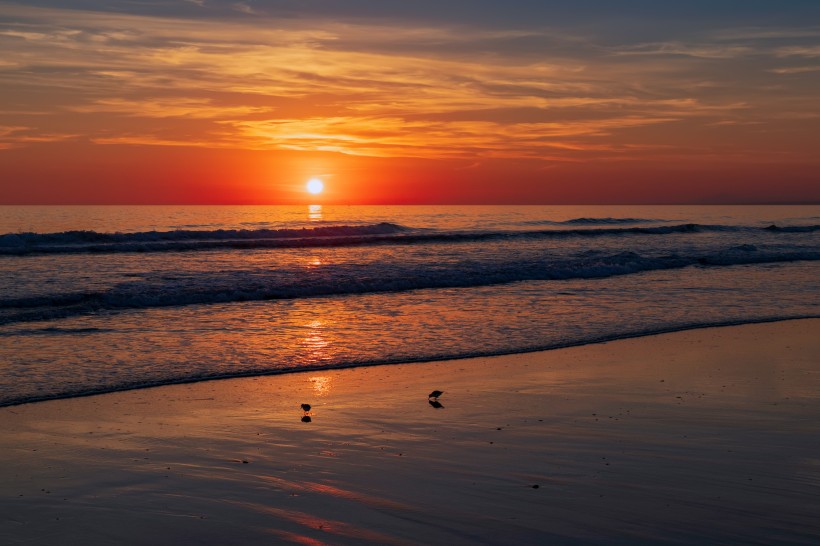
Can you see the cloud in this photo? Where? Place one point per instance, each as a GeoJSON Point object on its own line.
{"type": "Point", "coordinates": [766, 34]}
{"type": "Point", "coordinates": [197, 108]}
{"type": "Point", "coordinates": [379, 87]}
{"type": "Point", "coordinates": [6, 131]}
{"type": "Point", "coordinates": [149, 140]}
{"type": "Point", "coordinates": [796, 69]}
{"type": "Point", "coordinates": [703, 51]}
{"type": "Point", "coordinates": [799, 51]}
{"type": "Point", "coordinates": [17, 136]}
{"type": "Point", "coordinates": [389, 137]}
{"type": "Point", "coordinates": [242, 7]}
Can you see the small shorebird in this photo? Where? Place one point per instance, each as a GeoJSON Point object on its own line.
{"type": "Point", "coordinates": [306, 407]}
{"type": "Point", "coordinates": [435, 394]}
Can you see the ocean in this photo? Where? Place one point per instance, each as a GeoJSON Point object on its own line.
{"type": "Point", "coordinates": [97, 299]}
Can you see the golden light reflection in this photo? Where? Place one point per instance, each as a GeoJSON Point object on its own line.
{"type": "Point", "coordinates": [322, 384]}
{"type": "Point", "coordinates": [315, 213]}
{"type": "Point", "coordinates": [315, 343]}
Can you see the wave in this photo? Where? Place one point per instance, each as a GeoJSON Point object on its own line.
{"type": "Point", "coordinates": [69, 242]}
{"type": "Point", "coordinates": [607, 221]}
{"type": "Point", "coordinates": [793, 229]}
{"type": "Point", "coordinates": [146, 241]}
{"type": "Point", "coordinates": [161, 290]}
{"type": "Point", "coordinates": [52, 331]}
{"type": "Point", "coordinates": [577, 342]}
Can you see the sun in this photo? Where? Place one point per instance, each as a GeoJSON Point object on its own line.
{"type": "Point", "coordinates": [315, 186]}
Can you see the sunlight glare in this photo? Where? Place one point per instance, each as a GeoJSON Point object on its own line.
{"type": "Point", "coordinates": [315, 186]}
{"type": "Point", "coordinates": [314, 213]}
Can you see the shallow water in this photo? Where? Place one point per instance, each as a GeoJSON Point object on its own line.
{"type": "Point", "coordinates": [184, 293]}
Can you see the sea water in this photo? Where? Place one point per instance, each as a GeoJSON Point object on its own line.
{"type": "Point", "coordinates": [95, 299]}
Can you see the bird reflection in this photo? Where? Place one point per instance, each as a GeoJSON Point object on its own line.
{"type": "Point", "coordinates": [306, 417]}
{"type": "Point", "coordinates": [436, 404]}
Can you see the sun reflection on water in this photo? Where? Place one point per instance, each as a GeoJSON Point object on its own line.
{"type": "Point", "coordinates": [321, 384]}
{"type": "Point", "coordinates": [315, 344]}
{"type": "Point", "coordinates": [314, 213]}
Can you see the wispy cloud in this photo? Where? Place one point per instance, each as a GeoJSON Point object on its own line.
{"type": "Point", "coordinates": [378, 88]}
{"type": "Point", "coordinates": [398, 137]}
{"type": "Point", "coordinates": [197, 108]}
{"type": "Point", "coordinates": [703, 51]}
{"type": "Point", "coordinates": [799, 51]}
{"type": "Point", "coordinates": [796, 69]}
{"type": "Point", "coordinates": [10, 130]}
{"type": "Point", "coordinates": [745, 34]}
{"type": "Point", "coordinates": [16, 136]}
{"type": "Point", "coordinates": [244, 8]}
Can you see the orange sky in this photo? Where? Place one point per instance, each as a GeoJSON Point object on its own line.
{"type": "Point", "coordinates": [201, 101]}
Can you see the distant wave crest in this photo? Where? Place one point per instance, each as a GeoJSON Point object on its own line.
{"type": "Point", "coordinates": [93, 241]}
{"type": "Point", "coordinates": [793, 229]}
{"type": "Point", "coordinates": [70, 242]}
{"type": "Point", "coordinates": [607, 221]}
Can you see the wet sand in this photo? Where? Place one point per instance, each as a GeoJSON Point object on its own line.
{"type": "Point", "coordinates": [705, 436]}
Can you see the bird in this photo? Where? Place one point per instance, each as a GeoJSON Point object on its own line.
{"type": "Point", "coordinates": [435, 394]}
{"type": "Point", "coordinates": [306, 407]}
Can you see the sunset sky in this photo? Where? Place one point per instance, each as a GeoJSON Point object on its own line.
{"type": "Point", "coordinates": [392, 101]}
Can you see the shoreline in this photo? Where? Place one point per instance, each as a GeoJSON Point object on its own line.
{"type": "Point", "coordinates": [424, 360]}
{"type": "Point", "coordinates": [699, 436]}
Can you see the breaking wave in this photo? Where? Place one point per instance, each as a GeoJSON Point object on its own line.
{"type": "Point", "coordinates": [70, 242]}
{"type": "Point", "coordinates": [159, 290]}
{"type": "Point", "coordinates": [595, 222]}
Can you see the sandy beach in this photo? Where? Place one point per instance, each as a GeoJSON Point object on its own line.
{"type": "Point", "coordinates": [695, 437]}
